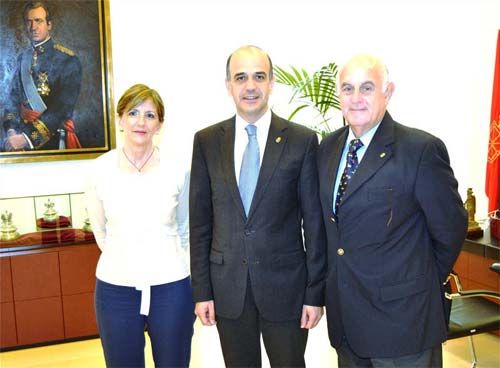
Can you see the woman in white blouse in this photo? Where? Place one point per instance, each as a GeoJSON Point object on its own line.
{"type": "Point", "coordinates": [137, 203]}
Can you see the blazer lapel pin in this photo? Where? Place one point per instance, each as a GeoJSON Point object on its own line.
{"type": "Point", "coordinates": [382, 155]}
{"type": "Point", "coordinates": [278, 140]}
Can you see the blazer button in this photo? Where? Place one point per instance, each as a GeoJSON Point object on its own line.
{"type": "Point", "coordinates": [340, 252]}
{"type": "Point", "coordinates": [244, 261]}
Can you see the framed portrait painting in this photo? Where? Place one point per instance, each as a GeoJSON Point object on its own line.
{"type": "Point", "coordinates": [56, 98]}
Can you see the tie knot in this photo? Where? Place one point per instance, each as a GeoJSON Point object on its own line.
{"type": "Point", "coordinates": [354, 145]}
{"type": "Point", "coordinates": [251, 129]}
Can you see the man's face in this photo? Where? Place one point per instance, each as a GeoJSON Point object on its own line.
{"type": "Point", "coordinates": [363, 96]}
{"type": "Point", "coordinates": [36, 24]}
{"type": "Point", "coordinates": [250, 85]}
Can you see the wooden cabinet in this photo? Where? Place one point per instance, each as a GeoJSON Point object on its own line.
{"type": "Point", "coordinates": [8, 334]}
{"type": "Point", "coordinates": [39, 320]}
{"type": "Point", "coordinates": [77, 266]}
{"type": "Point", "coordinates": [37, 297]}
{"type": "Point", "coordinates": [47, 294]}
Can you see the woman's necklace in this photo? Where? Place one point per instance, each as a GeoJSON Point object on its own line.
{"type": "Point", "coordinates": [134, 165]}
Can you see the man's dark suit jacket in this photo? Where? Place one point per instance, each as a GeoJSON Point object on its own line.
{"type": "Point", "coordinates": [227, 249]}
{"type": "Point", "coordinates": [399, 230]}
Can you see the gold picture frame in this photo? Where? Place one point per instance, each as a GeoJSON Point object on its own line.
{"type": "Point", "coordinates": [80, 29]}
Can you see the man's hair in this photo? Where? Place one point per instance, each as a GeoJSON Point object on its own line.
{"type": "Point", "coordinates": [228, 72]}
{"type": "Point", "coordinates": [136, 95]}
{"type": "Point", "coordinates": [38, 4]}
{"type": "Point", "coordinates": [370, 62]}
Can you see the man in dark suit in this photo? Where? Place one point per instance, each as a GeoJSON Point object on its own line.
{"type": "Point", "coordinates": [395, 225]}
{"type": "Point", "coordinates": [252, 271]}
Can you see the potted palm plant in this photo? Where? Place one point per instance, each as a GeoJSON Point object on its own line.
{"type": "Point", "coordinates": [315, 91]}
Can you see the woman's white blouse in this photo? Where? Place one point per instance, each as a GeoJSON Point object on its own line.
{"type": "Point", "coordinates": [140, 221]}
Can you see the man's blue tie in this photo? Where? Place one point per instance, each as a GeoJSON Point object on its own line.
{"type": "Point", "coordinates": [350, 168]}
{"type": "Point", "coordinates": [250, 166]}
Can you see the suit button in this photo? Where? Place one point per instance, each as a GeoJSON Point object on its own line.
{"type": "Point", "coordinates": [340, 252]}
{"type": "Point", "coordinates": [244, 261]}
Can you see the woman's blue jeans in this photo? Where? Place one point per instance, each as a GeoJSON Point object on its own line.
{"type": "Point", "coordinates": [169, 324]}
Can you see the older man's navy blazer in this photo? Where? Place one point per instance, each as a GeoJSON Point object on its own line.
{"type": "Point", "coordinates": [268, 247]}
{"type": "Point", "coordinates": [397, 234]}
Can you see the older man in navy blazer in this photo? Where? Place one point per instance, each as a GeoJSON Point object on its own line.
{"type": "Point", "coordinates": [252, 272]}
{"type": "Point", "coordinates": [395, 225]}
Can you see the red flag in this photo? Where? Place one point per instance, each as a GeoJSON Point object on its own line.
{"type": "Point", "coordinates": [493, 164]}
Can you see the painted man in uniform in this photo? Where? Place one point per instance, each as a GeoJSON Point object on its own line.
{"type": "Point", "coordinates": [44, 90]}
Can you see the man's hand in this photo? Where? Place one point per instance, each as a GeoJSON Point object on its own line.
{"type": "Point", "coordinates": [15, 142]}
{"type": "Point", "coordinates": [206, 312]}
{"type": "Point", "coordinates": [311, 315]}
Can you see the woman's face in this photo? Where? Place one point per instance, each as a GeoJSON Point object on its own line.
{"type": "Point", "coordinates": [140, 124]}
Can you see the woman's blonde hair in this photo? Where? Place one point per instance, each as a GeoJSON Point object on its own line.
{"type": "Point", "coordinates": [136, 95]}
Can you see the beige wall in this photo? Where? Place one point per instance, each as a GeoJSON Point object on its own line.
{"type": "Point", "coordinates": [440, 54]}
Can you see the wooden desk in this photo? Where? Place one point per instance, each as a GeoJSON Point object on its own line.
{"type": "Point", "coordinates": [474, 261]}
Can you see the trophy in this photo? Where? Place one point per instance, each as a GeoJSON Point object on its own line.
{"type": "Point", "coordinates": [50, 214]}
{"type": "Point", "coordinates": [87, 227]}
{"type": "Point", "coordinates": [473, 229]}
{"type": "Point", "coordinates": [7, 229]}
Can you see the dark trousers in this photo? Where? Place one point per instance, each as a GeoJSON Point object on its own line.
{"type": "Point", "coordinates": [285, 342]}
{"type": "Point", "coordinates": [431, 358]}
{"type": "Point", "coordinates": [169, 324]}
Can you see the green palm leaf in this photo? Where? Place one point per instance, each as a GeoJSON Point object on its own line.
{"type": "Point", "coordinates": [316, 91]}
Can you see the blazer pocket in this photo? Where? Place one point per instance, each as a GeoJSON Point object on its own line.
{"type": "Point", "coordinates": [404, 289]}
{"type": "Point", "coordinates": [380, 194]}
{"type": "Point", "coordinates": [216, 257]}
{"type": "Point", "coordinates": [384, 199]}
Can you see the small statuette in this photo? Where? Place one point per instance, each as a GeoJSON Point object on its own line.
{"type": "Point", "coordinates": [87, 227]}
{"type": "Point", "coordinates": [50, 215]}
{"type": "Point", "coordinates": [473, 228]}
{"type": "Point", "coordinates": [7, 229]}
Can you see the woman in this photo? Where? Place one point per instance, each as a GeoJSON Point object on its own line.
{"type": "Point", "coordinates": [137, 203]}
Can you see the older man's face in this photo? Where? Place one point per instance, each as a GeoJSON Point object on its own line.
{"type": "Point", "coordinates": [363, 96]}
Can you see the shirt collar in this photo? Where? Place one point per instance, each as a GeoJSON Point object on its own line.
{"type": "Point", "coordinates": [262, 124]}
{"type": "Point", "coordinates": [365, 138]}
{"type": "Point", "coordinates": [41, 43]}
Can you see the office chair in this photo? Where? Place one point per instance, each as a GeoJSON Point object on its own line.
{"type": "Point", "coordinates": [472, 312]}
